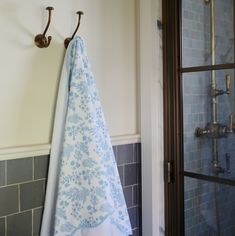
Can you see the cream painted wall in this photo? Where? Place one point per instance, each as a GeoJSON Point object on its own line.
{"type": "Point", "coordinates": [29, 75]}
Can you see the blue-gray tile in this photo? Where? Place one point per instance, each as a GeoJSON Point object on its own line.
{"type": "Point", "coordinates": [134, 214]}
{"type": "Point", "coordinates": [32, 195]}
{"type": "Point", "coordinates": [136, 195]}
{"type": "Point", "coordinates": [37, 220]}
{"type": "Point", "coordinates": [2, 173]}
{"type": "Point", "coordinates": [9, 200]}
{"type": "Point", "coordinates": [125, 154]}
{"type": "Point", "coordinates": [130, 174]}
{"type": "Point", "coordinates": [128, 195]}
{"type": "Point", "coordinates": [137, 152]}
{"type": "Point", "coordinates": [19, 170]}
{"type": "Point", "coordinates": [2, 226]}
{"type": "Point", "coordinates": [41, 164]}
{"type": "Point", "coordinates": [20, 224]}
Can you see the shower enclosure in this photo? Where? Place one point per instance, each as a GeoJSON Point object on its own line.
{"type": "Point", "coordinates": [199, 117]}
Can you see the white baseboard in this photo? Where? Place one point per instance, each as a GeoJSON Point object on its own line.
{"type": "Point", "coordinates": [125, 139]}
{"type": "Point", "coordinates": [44, 149]}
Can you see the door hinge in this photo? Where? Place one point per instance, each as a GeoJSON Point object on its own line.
{"type": "Point", "coordinates": [170, 172]}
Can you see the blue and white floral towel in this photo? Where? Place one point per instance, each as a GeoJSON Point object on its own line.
{"type": "Point", "coordinates": [84, 194]}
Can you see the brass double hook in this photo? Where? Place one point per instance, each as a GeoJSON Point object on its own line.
{"type": "Point", "coordinates": [41, 40]}
{"type": "Point", "coordinates": [67, 40]}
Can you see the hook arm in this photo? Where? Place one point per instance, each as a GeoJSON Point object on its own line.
{"type": "Point", "coordinates": [80, 13]}
{"type": "Point", "coordinates": [67, 40]}
{"type": "Point", "coordinates": [49, 19]}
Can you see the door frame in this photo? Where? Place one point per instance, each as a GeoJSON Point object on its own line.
{"type": "Point", "coordinates": [150, 74]}
{"type": "Point", "coordinates": [173, 144]}
{"type": "Point", "coordinates": [173, 118]}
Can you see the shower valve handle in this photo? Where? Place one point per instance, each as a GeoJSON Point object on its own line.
{"type": "Point", "coordinates": [228, 82]}
{"type": "Point", "coordinates": [230, 127]}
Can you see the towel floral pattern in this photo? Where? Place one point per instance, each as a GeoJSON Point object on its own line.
{"type": "Point", "coordinates": [89, 185]}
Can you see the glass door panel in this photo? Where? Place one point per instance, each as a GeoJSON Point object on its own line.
{"type": "Point", "coordinates": [209, 208]}
{"type": "Point", "coordinates": [208, 116]}
{"type": "Point", "coordinates": [196, 32]}
{"type": "Point", "coordinates": [199, 132]}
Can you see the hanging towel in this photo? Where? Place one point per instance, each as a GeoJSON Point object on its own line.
{"type": "Point", "coordinates": [84, 195]}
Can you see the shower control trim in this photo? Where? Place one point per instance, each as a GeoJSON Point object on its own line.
{"type": "Point", "coordinates": [216, 130]}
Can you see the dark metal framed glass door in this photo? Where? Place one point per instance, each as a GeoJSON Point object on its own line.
{"type": "Point", "coordinates": [199, 109]}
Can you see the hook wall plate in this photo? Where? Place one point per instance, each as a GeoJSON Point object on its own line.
{"type": "Point", "coordinates": [41, 40]}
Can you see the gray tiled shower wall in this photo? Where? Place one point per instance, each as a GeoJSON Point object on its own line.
{"type": "Point", "coordinates": [22, 191]}
{"type": "Point", "coordinates": [209, 208]}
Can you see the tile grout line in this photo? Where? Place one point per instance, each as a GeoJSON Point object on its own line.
{"type": "Point", "coordinates": [37, 208]}
{"type": "Point", "coordinates": [25, 182]}
{"type": "Point", "coordinates": [132, 191]}
{"type": "Point", "coordinates": [132, 207]}
{"type": "Point", "coordinates": [32, 221]}
{"type": "Point", "coordinates": [126, 164]}
{"type": "Point", "coordinates": [19, 198]}
{"type": "Point", "coordinates": [44, 190]}
{"type": "Point", "coordinates": [5, 226]}
{"type": "Point", "coordinates": [16, 213]}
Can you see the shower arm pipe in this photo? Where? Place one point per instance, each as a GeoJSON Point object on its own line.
{"type": "Point", "coordinates": [213, 75]}
{"type": "Point", "coordinates": [213, 86]}
{"type": "Point", "coordinates": [212, 29]}
{"type": "Point", "coordinates": [213, 83]}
